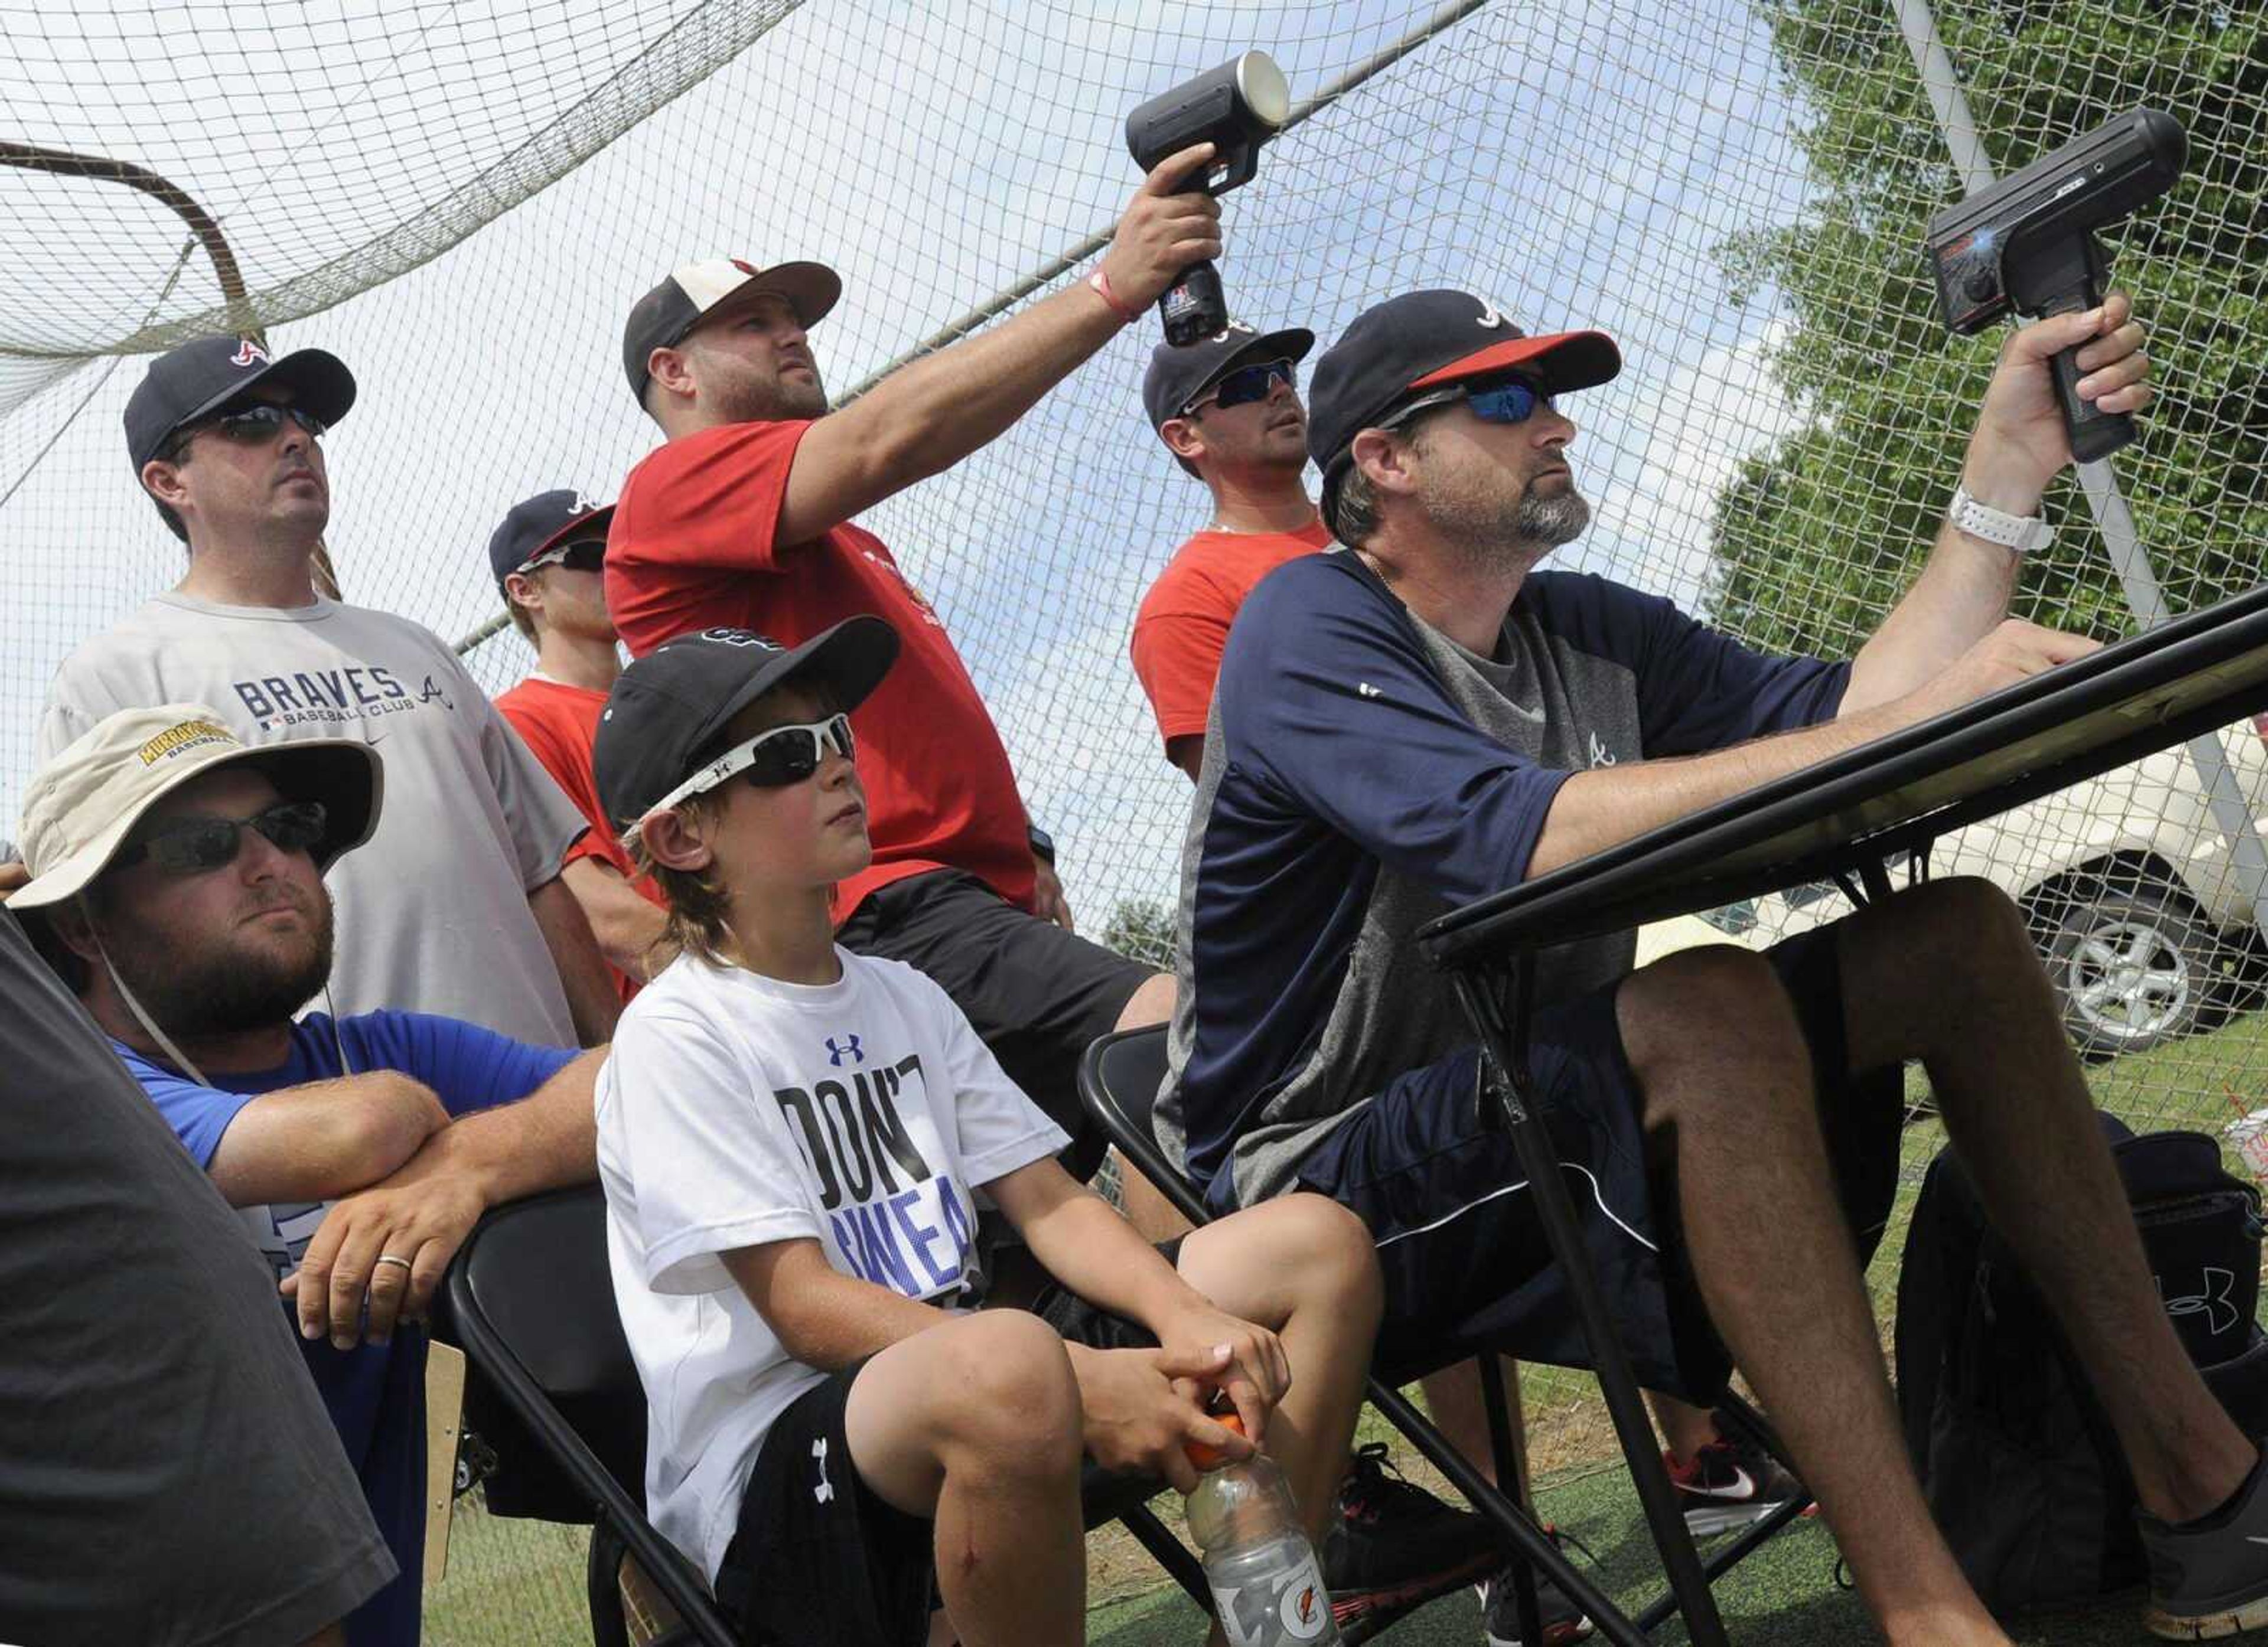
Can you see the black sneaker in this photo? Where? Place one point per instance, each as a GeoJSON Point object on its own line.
{"type": "Point", "coordinates": [1563, 1621]}
{"type": "Point", "coordinates": [1732, 1482]}
{"type": "Point", "coordinates": [1394, 1545]}
{"type": "Point", "coordinates": [2209, 1577]}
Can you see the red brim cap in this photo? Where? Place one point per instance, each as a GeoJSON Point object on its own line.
{"type": "Point", "coordinates": [1563, 361]}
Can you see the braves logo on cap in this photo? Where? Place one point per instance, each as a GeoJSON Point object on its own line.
{"type": "Point", "coordinates": [1489, 316]}
{"type": "Point", "coordinates": [582, 505]}
{"type": "Point", "coordinates": [249, 354]}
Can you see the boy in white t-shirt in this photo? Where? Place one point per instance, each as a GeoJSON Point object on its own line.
{"type": "Point", "coordinates": [792, 1139]}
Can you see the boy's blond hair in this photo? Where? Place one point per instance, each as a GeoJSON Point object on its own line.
{"type": "Point", "coordinates": [695, 900]}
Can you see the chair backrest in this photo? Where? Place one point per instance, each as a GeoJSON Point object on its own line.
{"type": "Point", "coordinates": [536, 1272]}
{"type": "Point", "coordinates": [1118, 1082]}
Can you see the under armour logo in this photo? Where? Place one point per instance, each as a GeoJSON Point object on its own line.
{"type": "Point", "coordinates": [2220, 1313]}
{"type": "Point", "coordinates": [1601, 755]}
{"type": "Point", "coordinates": [1489, 316]}
{"type": "Point", "coordinates": [249, 354]}
{"type": "Point", "coordinates": [848, 1048]}
{"type": "Point", "coordinates": [824, 1492]}
{"type": "Point", "coordinates": [1366, 689]}
{"type": "Point", "coordinates": [737, 638]}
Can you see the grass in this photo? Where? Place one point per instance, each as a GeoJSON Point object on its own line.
{"type": "Point", "coordinates": [517, 1584]}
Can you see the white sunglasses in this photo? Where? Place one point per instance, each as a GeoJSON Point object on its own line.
{"type": "Point", "coordinates": [773, 759]}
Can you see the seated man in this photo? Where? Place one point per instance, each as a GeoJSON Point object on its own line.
{"type": "Point", "coordinates": [179, 876]}
{"type": "Point", "coordinates": [548, 557]}
{"type": "Point", "coordinates": [1420, 719]}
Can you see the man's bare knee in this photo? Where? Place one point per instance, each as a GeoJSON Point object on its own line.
{"type": "Point", "coordinates": [1152, 1004]}
{"type": "Point", "coordinates": [1701, 1007]}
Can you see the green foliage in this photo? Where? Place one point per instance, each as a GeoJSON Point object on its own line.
{"type": "Point", "coordinates": [1141, 929]}
{"type": "Point", "coordinates": [1814, 537]}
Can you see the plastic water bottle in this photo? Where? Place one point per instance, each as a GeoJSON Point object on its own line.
{"type": "Point", "coordinates": [1267, 1585]}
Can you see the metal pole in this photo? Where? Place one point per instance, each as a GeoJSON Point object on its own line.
{"type": "Point", "coordinates": [2114, 521]}
{"type": "Point", "coordinates": [99, 169]}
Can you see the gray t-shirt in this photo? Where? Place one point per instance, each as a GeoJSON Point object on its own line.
{"type": "Point", "coordinates": [170, 1476]}
{"type": "Point", "coordinates": [433, 912]}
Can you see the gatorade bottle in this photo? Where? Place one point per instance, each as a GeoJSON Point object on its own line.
{"type": "Point", "coordinates": [1267, 1587]}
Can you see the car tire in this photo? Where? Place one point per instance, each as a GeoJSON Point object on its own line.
{"type": "Point", "coordinates": [2134, 967]}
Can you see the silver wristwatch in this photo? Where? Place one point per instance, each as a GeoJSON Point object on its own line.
{"type": "Point", "coordinates": [2020, 532]}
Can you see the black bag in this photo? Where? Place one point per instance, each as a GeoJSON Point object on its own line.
{"type": "Point", "coordinates": [2016, 1459]}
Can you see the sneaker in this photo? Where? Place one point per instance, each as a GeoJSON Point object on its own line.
{"type": "Point", "coordinates": [1732, 1482]}
{"type": "Point", "coordinates": [1563, 1621]}
{"type": "Point", "coordinates": [2209, 1577]}
{"type": "Point", "coordinates": [1395, 1544]}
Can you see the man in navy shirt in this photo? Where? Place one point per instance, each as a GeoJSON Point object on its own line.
{"type": "Point", "coordinates": [1420, 719]}
{"type": "Point", "coordinates": [179, 876]}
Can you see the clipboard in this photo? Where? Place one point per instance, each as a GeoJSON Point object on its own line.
{"type": "Point", "coordinates": [445, 1407]}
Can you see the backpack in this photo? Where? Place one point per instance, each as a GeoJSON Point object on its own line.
{"type": "Point", "coordinates": [2017, 1460]}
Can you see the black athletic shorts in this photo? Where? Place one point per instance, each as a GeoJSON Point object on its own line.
{"type": "Point", "coordinates": [818, 1558]}
{"type": "Point", "coordinates": [1038, 996]}
{"type": "Point", "coordinates": [1459, 1243]}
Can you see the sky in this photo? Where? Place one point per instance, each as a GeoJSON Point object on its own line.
{"type": "Point", "coordinates": [1577, 163]}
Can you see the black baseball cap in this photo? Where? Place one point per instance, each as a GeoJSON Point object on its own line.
{"type": "Point", "coordinates": [200, 378]}
{"type": "Point", "coordinates": [666, 710]}
{"type": "Point", "coordinates": [543, 522]}
{"type": "Point", "coordinates": [1180, 375]}
{"type": "Point", "coordinates": [692, 293]}
{"type": "Point", "coordinates": [1396, 350]}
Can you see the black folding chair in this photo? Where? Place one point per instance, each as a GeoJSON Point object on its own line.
{"type": "Point", "coordinates": [533, 1303]}
{"type": "Point", "coordinates": [1119, 1078]}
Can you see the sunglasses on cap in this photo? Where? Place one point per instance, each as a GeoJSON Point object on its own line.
{"type": "Point", "coordinates": [1499, 401]}
{"type": "Point", "coordinates": [583, 555]}
{"type": "Point", "coordinates": [197, 846]}
{"type": "Point", "coordinates": [1244, 386]}
{"type": "Point", "coordinates": [250, 424]}
{"type": "Point", "coordinates": [771, 760]}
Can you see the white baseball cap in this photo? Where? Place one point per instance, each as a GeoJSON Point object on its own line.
{"type": "Point", "coordinates": [82, 804]}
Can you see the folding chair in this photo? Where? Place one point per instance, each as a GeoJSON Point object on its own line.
{"type": "Point", "coordinates": [533, 1305]}
{"type": "Point", "coordinates": [1119, 1078]}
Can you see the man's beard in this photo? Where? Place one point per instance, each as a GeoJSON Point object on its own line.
{"type": "Point", "coordinates": [1524, 533]}
{"type": "Point", "coordinates": [1549, 522]}
{"type": "Point", "coordinates": [227, 990]}
{"type": "Point", "coordinates": [754, 400]}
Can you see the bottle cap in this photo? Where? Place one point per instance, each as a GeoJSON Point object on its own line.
{"type": "Point", "coordinates": [1206, 1457]}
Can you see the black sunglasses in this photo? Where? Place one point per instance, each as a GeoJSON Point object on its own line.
{"type": "Point", "coordinates": [248, 425]}
{"type": "Point", "coordinates": [1244, 386]}
{"type": "Point", "coordinates": [771, 760]}
{"type": "Point", "coordinates": [196, 846]}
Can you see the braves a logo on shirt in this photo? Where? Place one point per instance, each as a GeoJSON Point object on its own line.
{"type": "Point", "coordinates": [1601, 755]}
{"type": "Point", "coordinates": [335, 698]}
{"type": "Point", "coordinates": [846, 1048]}
{"type": "Point", "coordinates": [249, 354]}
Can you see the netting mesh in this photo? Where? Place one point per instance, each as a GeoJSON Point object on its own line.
{"type": "Point", "coordinates": [462, 200]}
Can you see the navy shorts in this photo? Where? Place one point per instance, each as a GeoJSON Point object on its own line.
{"type": "Point", "coordinates": [1461, 1249]}
{"type": "Point", "coordinates": [1037, 995]}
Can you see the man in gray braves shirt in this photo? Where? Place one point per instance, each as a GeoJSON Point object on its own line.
{"type": "Point", "coordinates": [1423, 718]}
{"type": "Point", "coordinates": [456, 906]}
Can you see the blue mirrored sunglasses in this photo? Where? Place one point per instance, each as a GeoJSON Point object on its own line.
{"type": "Point", "coordinates": [1244, 386]}
{"type": "Point", "coordinates": [1504, 400]}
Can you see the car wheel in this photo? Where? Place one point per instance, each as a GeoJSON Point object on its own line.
{"type": "Point", "coordinates": [2133, 968]}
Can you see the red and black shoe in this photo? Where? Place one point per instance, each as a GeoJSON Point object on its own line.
{"type": "Point", "coordinates": [1732, 1482]}
{"type": "Point", "coordinates": [1395, 1546]}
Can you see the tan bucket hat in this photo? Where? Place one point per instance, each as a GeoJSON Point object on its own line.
{"type": "Point", "coordinates": [81, 806]}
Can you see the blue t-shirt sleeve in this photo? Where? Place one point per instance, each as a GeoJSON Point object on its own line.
{"type": "Point", "coordinates": [198, 1114]}
{"type": "Point", "coordinates": [1327, 702]}
{"type": "Point", "coordinates": [1697, 689]}
{"type": "Point", "coordinates": [467, 1067]}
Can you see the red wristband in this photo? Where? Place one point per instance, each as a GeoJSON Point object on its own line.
{"type": "Point", "coordinates": [1099, 283]}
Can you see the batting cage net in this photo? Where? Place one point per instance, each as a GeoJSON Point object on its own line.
{"type": "Point", "coordinates": [462, 200]}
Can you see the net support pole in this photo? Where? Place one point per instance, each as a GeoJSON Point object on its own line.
{"type": "Point", "coordinates": [2114, 520]}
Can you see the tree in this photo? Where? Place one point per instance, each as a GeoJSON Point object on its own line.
{"type": "Point", "coordinates": [1141, 929]}
{"type": "Point", "coordinates": [1816, 537]}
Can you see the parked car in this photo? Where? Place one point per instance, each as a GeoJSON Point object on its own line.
{"type": "Point", "coordinates": [2132, 889]}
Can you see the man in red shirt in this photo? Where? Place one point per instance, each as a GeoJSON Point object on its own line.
{"type": "Point", "coordinates": [547, 556]}
{"type": "Point", "coordinates": [1228, 409]}
{"type": "Point", "coordinates": [741, 520]}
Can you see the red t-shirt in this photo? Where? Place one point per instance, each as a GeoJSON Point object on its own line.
{"type": "Point", "coordinates": [691, 548]}
{"type": "Point", "coordinates": [558, 723]}
{"type": "Point", "coordinates": [1183, 621]}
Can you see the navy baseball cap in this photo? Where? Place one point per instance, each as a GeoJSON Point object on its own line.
{"type": "Point", "coordinates": [542, 523]}
{"type": "Point", "coordinates": [201, 377]}
{"type": "Point", "coordinates": [1180, 375]}
{"type": "Point", "coordinates": [695, 292]}
{"type": "Point", "coordinates": [1396, 350]}
{"type": "Point", "coordinates": [666, 710]}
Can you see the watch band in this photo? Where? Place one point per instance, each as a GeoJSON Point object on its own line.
{"type": "Point", "coordinates": [2023, 533]}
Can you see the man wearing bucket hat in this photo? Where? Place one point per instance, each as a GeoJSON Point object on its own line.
{"type": "Point", "coordinates": [742, 520]}
{"type": "Point", "coordinates": [1228, 410]}
{"type": "Point", "coordinates": [456, 906]}
{"type": "Point", "coordinates": [549, 558]}
{"type": "Point", "coordinates": [1423, 720]}
{"type": "Point", "coordinates": [177, 871]}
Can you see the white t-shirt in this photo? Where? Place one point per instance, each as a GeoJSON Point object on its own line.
{"type": "Point", "coordinates": [432, 910]}
{"type": "Point", "coordinates": [736, 1110]}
